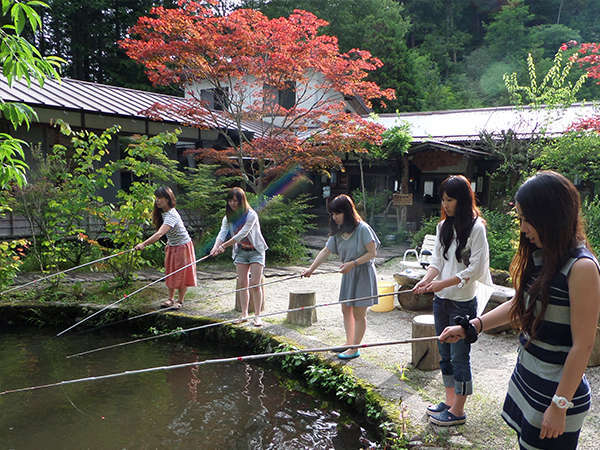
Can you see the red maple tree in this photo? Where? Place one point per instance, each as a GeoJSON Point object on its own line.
{"type": "Point", "coordinates": [589, 58]}
{"type": "Point", "coordinates": [249, 62]}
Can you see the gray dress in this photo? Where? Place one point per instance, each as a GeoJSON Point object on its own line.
{"type": "Point", "coordinates": [361, 281]}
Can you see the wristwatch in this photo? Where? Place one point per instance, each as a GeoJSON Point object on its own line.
{"type": "Point", "coordinates": [562, 402]}
{"type": "Point", "coordinates": [461, 283]}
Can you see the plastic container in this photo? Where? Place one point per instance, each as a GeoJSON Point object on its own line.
{"type": "Point", "coordinates": [386, 303]}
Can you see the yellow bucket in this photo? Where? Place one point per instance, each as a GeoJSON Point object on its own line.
{"type": "Point", "coordinates": [385, 303]}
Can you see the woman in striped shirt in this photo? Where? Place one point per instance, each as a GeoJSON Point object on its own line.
{"type": "Point", "coordinates": [556, 306]}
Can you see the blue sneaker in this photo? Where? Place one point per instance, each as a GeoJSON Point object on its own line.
{"type": "Point", "coordinates": [447, 419]}
{"type": "Point", "coordinates": [436, 409]}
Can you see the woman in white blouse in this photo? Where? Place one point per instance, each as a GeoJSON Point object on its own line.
{"type": "Point", "coordinates": [460, 261]}
{"type": "Point", "coordinates": [243, 228]}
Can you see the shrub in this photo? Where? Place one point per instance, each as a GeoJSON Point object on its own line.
{"type": "Point", "coordinates": [503, 237]}
{"type": "Point", "coordinates": [428, 226]}
{"type": "Point", "coordinates": [591, 213]}
{"type": "Point", "coordinates": [283, 222]}
{"type": "Point", "coordinates": [11, 259]}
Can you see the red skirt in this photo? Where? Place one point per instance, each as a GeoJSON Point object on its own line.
{"type": "Point", "coordinates": [176, 257]}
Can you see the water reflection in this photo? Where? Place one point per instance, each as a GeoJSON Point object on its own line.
{"type": "Point", "coordinates": [234, 405]}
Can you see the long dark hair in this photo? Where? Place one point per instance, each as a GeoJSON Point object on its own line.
{"type": "Point", "coordinates": [343, 204]}
{"type": "Point", "coordinates": [550, 203]}
{"type": "Point", "coordinates": [458, 187]}
{"type": "Point", "coordinates": [240, 195]}
{"type": "Point", "coordinates": [163, 192]}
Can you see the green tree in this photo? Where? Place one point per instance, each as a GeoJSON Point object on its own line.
{"type": "Point", "coordinates": [20, 59]}
{"type": "Point", "coordinates": [86, 34]}
{"type": "Point", "coordinates": [387, 25]}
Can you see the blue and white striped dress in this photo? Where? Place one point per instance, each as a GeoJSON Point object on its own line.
{"type": "Point", "coordinates": [540, 365]}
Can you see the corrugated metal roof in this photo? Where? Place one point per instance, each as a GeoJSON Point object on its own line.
{"type": "Point", "coordinates": [467, 124]}
{"type": "Point", "coordinates": [76, 95]}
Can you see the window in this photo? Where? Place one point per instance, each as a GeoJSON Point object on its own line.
{"type": "Point", "coordinates": [286, 98]}
{"type": "Point", "coordinates": [215, 99]}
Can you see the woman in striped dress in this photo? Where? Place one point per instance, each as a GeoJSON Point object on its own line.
{"type": "Point", "coordinates": [556, 305]}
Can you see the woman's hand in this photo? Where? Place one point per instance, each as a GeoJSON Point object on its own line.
{"type": "Point", "coordinates": [217, 250]}
{"type": "Point", "coordinates": [553, 422]}
{"type": "Point", "coordinates": [452, 334]}
{"type": "Point", "coordinates": [347, 266]}
{"type": "Point", "coordinates": [307, 273]}
{"type": "Point", "coordinates": [429, 286]}
{"type": "Point", "coordinates": [140, 246]}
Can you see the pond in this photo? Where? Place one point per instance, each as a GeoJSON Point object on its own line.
{"type": "Point", "coordinates": [229, 405]}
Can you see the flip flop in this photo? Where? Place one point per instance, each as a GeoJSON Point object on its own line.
{"type": "Point", "coordinates": [241, 320]}
{"type": "Point", "coordinates": [167, 304]}
{"type": "Point", "coordinates": [177, 305]}
{"type": "Point", "coordinates": [257, 324]}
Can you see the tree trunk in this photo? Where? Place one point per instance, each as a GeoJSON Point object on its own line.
{"type": "Point", "coordinates": [362, 186]}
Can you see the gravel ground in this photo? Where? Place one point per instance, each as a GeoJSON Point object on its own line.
{"type": "Point", "coordinates": [493, 356]}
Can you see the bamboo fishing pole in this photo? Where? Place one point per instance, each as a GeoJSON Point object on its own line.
{"type": "Point", "coordinates": [220, 360]}
{"type": "Point", "coordinates": [237, 320]}
{"type": "Point", "coordinates": [126, 296]}
{"type": "Point", "coordinates": [149, 313]}
{"type": "Point", "coordinates": [65, 271]}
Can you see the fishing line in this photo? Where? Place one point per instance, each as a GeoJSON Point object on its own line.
{"type": "Point", "coordinates": [126, 296]}
{"type": "Point", "coordinates": [65, 271]}
{"type": "Point", "coordinates": [201, 300]}
{"type": "Point", "coordinates": [220, 360]}
{"type": "Point", "coordinates": [232, 321]}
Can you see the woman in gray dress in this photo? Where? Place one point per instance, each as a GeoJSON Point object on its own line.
{"type": "Point", "coordinates": [356, 244]}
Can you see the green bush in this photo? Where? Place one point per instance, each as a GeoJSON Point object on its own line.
{"type": "Point", "coordinates": [11, 259]}
{"type": "Point", "coordinates": [502, 235]}
{"type": "Point", "coordinates": [591, 213]}
{"type": "Point", "coordinates": [283, 222]}
{"type": "Point", "coordinates": [428, 226]}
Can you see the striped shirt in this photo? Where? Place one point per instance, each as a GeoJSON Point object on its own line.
{"type": "Point", "coordinates": [177, 235]}
{"type": "Point", "coordinates": [540, 365]}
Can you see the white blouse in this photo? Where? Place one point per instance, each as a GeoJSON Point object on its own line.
{"type": "Point", "coordinates": [474, 273]}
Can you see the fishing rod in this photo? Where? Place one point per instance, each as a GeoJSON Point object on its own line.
{"type": "Point", "coordinates": [126, 296]}
{"type": "Point", "coordinates": [65, 271]}
{"type": "Point", "coordinates": [231, 321]}
{"type": "Point", "coordinates": [221, 360]}
{"type": "Point", "coordinates": [129, 319]}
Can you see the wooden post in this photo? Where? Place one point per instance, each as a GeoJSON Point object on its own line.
{"type": "Point", "coordinates": [304, 317]}
{"type": "Point", "coordinates": [238, 304]}
{"type": "Point", "coordinates": [425, 354]}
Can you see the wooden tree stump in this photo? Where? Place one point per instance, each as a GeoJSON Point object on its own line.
{"type": "Point", "coordinates": [408, 300]}
{"type": "Point", "coordinates": [425, 354]}
{"type": "Point", "coordinates": [238, 304]}
{"type": "Point", "coordinates": [304, 317]}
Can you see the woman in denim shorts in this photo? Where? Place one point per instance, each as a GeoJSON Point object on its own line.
{"type": "Point", "coordinates": [249, 247]}
{"type": "Point", "coordinates": [460, 262]}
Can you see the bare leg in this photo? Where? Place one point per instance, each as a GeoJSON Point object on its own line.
{"type": "Point", "coordinates": [360, 323]}
{"type": "Point", "coordinates": [171, 293]}
{"type": "Point", "coordinates": [242, 273]}
{"type": "Point", "coordinates": [256, 293]}
{"type": "Point", "coordinates": [348, 324]}
{"type": "Point", "coordinates": [450, 396]}
{"type": "Point", "coordinates": [181, 293]}
{"type": "Point", "coordinates": [458, 408]}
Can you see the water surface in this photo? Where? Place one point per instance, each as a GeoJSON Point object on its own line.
{"type": "Point", "coordinates": [231, 406]}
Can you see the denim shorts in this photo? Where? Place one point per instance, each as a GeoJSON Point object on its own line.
{"type": "Point", "coordinates": [249, 257]}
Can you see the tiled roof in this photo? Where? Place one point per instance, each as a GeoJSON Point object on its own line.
{"type": "Point", "coordinates": [76, 95]}
{"type": "Point", "coordinates": [466, 125]}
